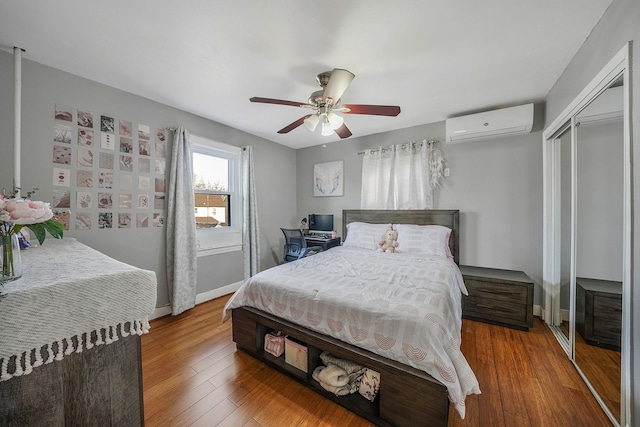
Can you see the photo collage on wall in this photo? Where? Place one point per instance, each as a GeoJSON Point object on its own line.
{"type": "Point", "coordinates": [108, 172]}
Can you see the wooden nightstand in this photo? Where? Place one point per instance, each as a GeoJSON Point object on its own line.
{"type": "Point", "coordinates": [599, 312]}
{"type": "Point", "coordinates": [500, 297]}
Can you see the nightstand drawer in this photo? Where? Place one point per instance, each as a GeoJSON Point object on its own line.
{"type": "Point", "coordinates": [506, 311]}
{"type": "Point", "coordinates": [607, 317]}
{"type": "Point", "coordinates": [501, 297]}
{"type": "Point", "coordinates": [599, 312]}
{"type": "Point", "coordinates": [607, 306]}
{"type": "Point", "coordinates": [496, 291]}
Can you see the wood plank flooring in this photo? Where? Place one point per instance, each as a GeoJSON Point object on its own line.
{"type": "Point", "coordinates": [193, 376]}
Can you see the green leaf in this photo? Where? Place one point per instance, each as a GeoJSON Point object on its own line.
{"type": "Point", "coordinates": [39, 231]}
{"type": "Point", "coordinates": [54, 228]}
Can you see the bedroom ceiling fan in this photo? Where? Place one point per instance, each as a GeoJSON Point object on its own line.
{"type": "Point", "coordinates": [327, 102]}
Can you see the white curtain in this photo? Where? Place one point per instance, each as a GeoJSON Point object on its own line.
{"type": "Point", "coordinates": [400, 176]}
{"type": "Point", "coordinates": [250, 229]}
{"type": "Point", "coordinates": [181, 256]}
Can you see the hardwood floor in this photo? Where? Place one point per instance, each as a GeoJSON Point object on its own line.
{"type": "Point", "coordinates": [193, 376]}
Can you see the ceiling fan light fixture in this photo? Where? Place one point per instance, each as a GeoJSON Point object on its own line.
{"type": "Point", "coordinates": [323, 101]}
{"type": "Point", "coordinates": [326, 128]}
{"type": "Point", "coordinates": [311, 122]}
{"type": "Point", "coordinates": [335, 120]}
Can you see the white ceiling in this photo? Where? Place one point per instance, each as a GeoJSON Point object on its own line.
{"type": "Point", "coordinates": [434, 58]}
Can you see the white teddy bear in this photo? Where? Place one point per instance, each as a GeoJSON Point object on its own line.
{"type": "Point", "coordinates": [389, 241]}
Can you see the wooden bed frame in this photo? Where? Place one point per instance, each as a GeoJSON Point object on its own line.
{"type": "Point", "coordinates": [408, 396]}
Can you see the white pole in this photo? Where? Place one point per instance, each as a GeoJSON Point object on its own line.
{"type": "Point", "coordinates": [17, 114]}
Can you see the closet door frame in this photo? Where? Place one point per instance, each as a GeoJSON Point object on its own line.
{"type": "Point", "coordinates": [617, 67]}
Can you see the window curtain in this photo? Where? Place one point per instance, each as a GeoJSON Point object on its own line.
{"type": "Point", "coordinates": [250, 229]}
{"type": "Point", "coordinates": [181, 253]}
{"type": "Point", "coordinates": [400, 176]}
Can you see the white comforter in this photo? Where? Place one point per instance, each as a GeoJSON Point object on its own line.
{"type": "Point", "coordinates": [400, 306]}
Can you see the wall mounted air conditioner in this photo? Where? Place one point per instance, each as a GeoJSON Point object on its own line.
{"type": "Point", "coordinates": [490, 124]}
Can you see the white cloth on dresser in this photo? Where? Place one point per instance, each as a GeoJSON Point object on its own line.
{"type": "Point", "coordinates": [69, 292]}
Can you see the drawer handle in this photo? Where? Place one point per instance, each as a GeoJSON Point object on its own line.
{"type": "Point", "coordinates": [494, 291]}
{"type": "Point", "coordinates": [490, 307]}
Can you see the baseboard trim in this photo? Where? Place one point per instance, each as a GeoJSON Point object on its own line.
{"type": "Point", "coordinates": [200, 298]}
{"type": "Point", "coordinates": [537, 311]}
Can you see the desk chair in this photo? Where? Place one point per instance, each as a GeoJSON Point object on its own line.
{"type": "Point", "coordinates": [295, 246]}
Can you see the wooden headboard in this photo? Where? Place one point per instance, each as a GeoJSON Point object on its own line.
{"type": "Point", "coordinates": [447, 218]}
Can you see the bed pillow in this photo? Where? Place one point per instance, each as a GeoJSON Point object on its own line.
{"type": "Point", "coordinates": [364, 235]}
{"type": "Point", "coordinates": [424, 239]}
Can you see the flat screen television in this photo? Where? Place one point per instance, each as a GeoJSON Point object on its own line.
{"type": "Point", "coordinates": [321, 223]}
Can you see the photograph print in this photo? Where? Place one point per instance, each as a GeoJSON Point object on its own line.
{"type": "Point", "coordinates": [83, 221]}
{"type": "Point", "coordinates": [64, 112]}
{"type": "Point", "coordinates": [126, 128]}
{"type": "Point", "coordinates": [62, 133]}
{"type": "Point", "coordinates": [105, 220]}
{"type": "Point", "coordinates": [144, 132]}
{"type": "Point", "coordinates": [61, 177]}
{"type": "Point", "coordinates": [107, 124]}
{"type": "Point", "coordinates": [85, 137]}
{"type": "Point", "coordinates": [85, 119]}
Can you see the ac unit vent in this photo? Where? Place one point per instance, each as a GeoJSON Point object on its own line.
{"type": "Point", "coordinates": [490, 124]}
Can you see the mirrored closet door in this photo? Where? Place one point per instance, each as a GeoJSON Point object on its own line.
{"type": "Point", "coordinates": [598, 244]}
{"type": "Point", "coordinates": [587, 235]}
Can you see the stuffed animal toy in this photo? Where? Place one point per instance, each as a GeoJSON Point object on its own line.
{"type": "Point", "coordinates": [389, 241]}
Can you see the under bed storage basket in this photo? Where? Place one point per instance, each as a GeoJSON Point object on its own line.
{"type": "Point", "coordinates": [274, 343]}
{"type": "Point", "coordinates": [295, 354]}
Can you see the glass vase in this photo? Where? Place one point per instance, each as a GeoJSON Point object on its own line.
{"type": "Point", "coordinates": [10, 259]}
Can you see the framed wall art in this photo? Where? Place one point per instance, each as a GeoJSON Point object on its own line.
{"type": "Point", "coordinates": [328, 179]}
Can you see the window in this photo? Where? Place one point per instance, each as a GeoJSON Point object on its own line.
{"type": "Point", "coordinates": [217, 192]}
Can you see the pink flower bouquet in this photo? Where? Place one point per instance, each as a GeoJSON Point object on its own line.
{"type": "Point", "coordinates": [16, 213]}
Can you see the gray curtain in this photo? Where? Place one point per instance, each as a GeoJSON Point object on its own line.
{"type": "Point", "coordinates": [181, 227]}
{"type": "Point", "coordinates": [250, 230]}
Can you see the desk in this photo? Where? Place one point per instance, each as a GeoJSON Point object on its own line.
{"type": "Point", "coordinates": [324, 243]}
{"type": "Point", "coordinates": [69, 340]}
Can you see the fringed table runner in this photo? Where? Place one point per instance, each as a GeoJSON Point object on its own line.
{"type": "Point", "coordinates": [70, 298]}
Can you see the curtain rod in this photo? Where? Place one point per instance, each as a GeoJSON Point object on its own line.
{"type": "Point", "coordinates": [424, 141]}
{"type": "Point", "coordinates": [175, 129]}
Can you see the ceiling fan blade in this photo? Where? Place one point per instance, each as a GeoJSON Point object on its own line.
{"type": "Point", "coordinates": [278, 101]}
{"type": "Point", "coordinates": [376, 110]}
{"type": "Point", "coordinates": [293, 125]}
{"type": "Point", "coordinates": [338, 82]}
{"type": "Point", "coordinates": [343, 131]}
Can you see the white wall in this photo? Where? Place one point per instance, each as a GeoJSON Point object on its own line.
{"type": "Point", "coordinates": [496, 184]}
{"type": "Point", "coordinates": [43, 87]}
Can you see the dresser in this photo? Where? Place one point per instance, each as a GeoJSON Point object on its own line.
{"type": "Point", "coordinates": [70, 339]}
{"type": "Point", "coordinates": [496, 296]}
{"type": "Point", "coordinates": [599, 312]}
